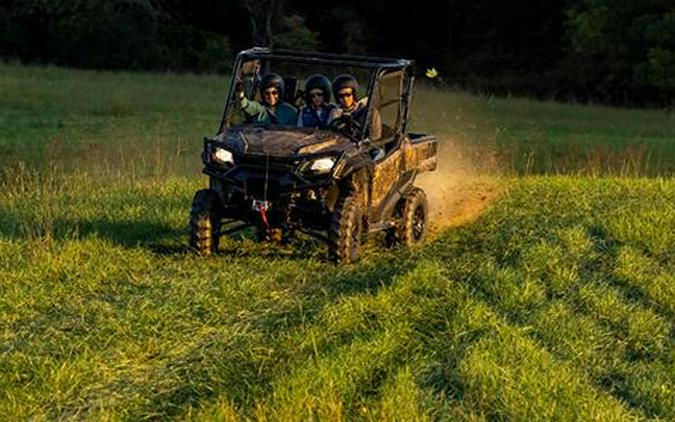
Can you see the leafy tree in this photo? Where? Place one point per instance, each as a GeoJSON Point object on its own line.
{"type": "Point", "coordinates": [622, 50]}
{"type": "Point", "coordinates": [658, 71]}
{"type": "Point", "coordinates": [292, 33]}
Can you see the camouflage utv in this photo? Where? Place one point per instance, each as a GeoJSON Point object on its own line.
{"type": "Point", "coordinates": [337, 184]}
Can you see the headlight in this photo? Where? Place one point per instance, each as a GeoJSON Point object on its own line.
{"type": "Point", "coordinates": [222, 156]}
{"type": "Point", "coordinates": [323, 165]}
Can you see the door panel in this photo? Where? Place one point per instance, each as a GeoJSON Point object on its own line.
{"type": "Point", "coordinates": [386, 177]}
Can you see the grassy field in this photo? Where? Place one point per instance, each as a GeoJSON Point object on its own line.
{"type": "Point", "coordinates": [556, 302]}
{"type": "Point", "coordinates": [136, 125]}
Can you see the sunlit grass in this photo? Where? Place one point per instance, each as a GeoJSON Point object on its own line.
{"type": "Point", "coordinates": [533, 311]}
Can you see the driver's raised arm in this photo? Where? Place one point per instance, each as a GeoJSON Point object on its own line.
{"type": "Point", "coordinates": [249, 107]}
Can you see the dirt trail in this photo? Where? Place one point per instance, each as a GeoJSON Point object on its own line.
{"type": "Point", "coordinates": [457, 194]}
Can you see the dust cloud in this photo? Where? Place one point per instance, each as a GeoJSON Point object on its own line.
{"type": "Point", "coordinates": [457, 193]}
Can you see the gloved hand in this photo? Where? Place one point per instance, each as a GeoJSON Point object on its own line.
{"type": "Point", "coordinates": [239, 90]}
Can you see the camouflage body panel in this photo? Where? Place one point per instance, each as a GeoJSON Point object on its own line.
{"type": "Point", "coordinates": [394, 175]}
{"type": "Point", "coordinates": [269, 163]}
{"type": "Point", "coordinates": [282, 143]}
{"type": "Point", "coordinates": [420, 153]}
{"type": "Point", "coordinates": [386, 176]}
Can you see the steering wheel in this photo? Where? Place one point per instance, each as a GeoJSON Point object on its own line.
{"type": "Point", "coordinates": [347, 125]}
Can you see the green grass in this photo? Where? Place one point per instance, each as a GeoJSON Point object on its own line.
{"type": "Point", "coordinates": [146, 124]}
{"type": "Point", "coordinates": [121, 123]}
{"type": "Point", "coordinates": [521, 136]}
{"type": "Point", "coordinates": [558, 302]}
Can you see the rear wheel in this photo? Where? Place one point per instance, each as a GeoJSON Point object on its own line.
{"type": "Point", "coordinates": [412, 227]}
{"type": "Point", "coordinates": [204, 223]}
{"type": "Point", "coordinates": [345, 230]}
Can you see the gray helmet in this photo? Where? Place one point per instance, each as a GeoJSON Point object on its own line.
{"type": "Point", "coordinates": [317, 82]}
{"type": "Point", "coordinates": [345, 81]}
{"type": "Point", "coordinates": [272, 80]}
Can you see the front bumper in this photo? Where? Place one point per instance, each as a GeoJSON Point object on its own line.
{"type": "Point", "coordinates": [291, 198]}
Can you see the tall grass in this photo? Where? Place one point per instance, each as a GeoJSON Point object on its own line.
{"type": "Point", "coordinates": [520, 136]}
{"type": "Point", "coordinates": [115, 123]}
{"type": "Point", "coordinates": [544, 308]}
{"type": "Point", "coordinates": [152, 124]}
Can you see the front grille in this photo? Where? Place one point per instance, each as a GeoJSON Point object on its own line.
{"type": "Point", "coordinates": [262, 162]}
{"type": "Point", "coordinates": [251, 179]}
{"type": "Point", "coordinates": [255, 188]}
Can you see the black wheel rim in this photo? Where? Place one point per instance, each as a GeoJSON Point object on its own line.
{"type": "Point", "coordinates": [419, 223]}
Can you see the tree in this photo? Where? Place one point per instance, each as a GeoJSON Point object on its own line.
{"type": "Point", "coordinates": [623, 51]}
{"type": "Point", "coordinates": [658, 68]}
{"type": "Point", "coordinates": [261, 14]}
{"type": "Point", "coordinates": [293, 33]}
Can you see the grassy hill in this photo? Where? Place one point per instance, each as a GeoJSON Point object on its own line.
{"type": "Point", "coordinates": [553, 299]}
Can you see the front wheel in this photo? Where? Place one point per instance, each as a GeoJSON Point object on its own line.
{"type": "Point", "coordinates": [345, 230]}
{"type": "Point", "coordinates": [204, 223]}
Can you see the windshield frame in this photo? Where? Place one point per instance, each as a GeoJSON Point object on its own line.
{"type": "Point", "coordinates": [375, 66]}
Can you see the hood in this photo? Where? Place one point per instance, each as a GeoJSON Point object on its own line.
{"type": "Point", "coordinates": [282, 143]}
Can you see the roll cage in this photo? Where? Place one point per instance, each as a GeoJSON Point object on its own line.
{"type": "Point", "coordinates": [378, 67]}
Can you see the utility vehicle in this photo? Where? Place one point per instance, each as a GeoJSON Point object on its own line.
{"type": "Point", "coordinates": [335, 184]}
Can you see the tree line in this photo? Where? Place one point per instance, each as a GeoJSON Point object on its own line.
{"type": "Point", "coordinates": [611, 51]}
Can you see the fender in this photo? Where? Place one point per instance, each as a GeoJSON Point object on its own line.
{"type": "Point", "coordinates": [354, 173]}
{"type": "Point", "coordinates": [351, 161]}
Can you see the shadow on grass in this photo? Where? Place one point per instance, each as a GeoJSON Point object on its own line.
{"type": "Point", "coordinates": [485, 285]}
{"type": "Point", "coordinates": [241, 376]}
{"type": "Point", "coordinates": [143, 232]}
{"type": "Point", "coordinates": [156, 236]}
{"type": "Point", "coordinates": [606, 245]}
{"type": "Point", "coordinates": [235, 365]}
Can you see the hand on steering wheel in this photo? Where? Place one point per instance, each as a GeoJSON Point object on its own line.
{"type": "Point", "coordinates": [347, 125]}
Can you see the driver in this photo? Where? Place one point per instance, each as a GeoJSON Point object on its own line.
{"type": "Point", "coordinates": [345, 89]}
{"type": "Point", "coordinates": [273, 110]}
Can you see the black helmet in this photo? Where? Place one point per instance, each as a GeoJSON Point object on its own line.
{"type": "Point", "coordinates": [272, 80]}
{"type": "Point", "coordinates": [345, 81]}
{"type": "Point", "coordinates": [317, 82]}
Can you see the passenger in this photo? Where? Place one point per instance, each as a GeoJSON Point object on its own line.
{"type": "Point", "coordinates": [345, 89]}
{"type": "Point", "coordinates": [317, 107]}
{"type": "Point", "coordinates": [273, 110]}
